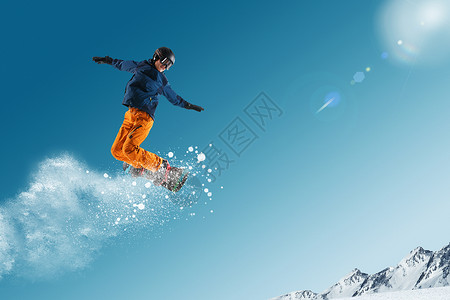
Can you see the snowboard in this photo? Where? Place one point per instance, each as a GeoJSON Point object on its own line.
{"type": "Point", "coordinates": [175, 178]}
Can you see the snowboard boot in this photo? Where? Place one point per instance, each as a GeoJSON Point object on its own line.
{"type": "Point", "coordinates": [134, 172]}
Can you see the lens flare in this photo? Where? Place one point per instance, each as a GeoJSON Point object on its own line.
{"type": "Point", "coordinates": [332, 99]}
{"type": "Point", "coordinates": [325, 105]}
{"type": "Point", "coordinates": [416, 31]}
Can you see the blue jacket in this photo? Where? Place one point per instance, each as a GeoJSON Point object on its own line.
{"type": "Point", "coordinates": [144, 88]}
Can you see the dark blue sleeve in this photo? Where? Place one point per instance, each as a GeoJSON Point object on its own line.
{"type": "Point", "coordinates": [173, 97]}
{"type": "Point", "coordinates": [125, 65]}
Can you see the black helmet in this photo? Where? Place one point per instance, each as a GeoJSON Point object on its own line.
{"type": "Point", "coordinates": [165, 55]}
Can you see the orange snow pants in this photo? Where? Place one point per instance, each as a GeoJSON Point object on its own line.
{"type": "Point", "coordinates": [135, 129]}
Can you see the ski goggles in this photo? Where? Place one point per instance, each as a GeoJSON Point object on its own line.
{"type": "Point", "coordinates": [166, 63]}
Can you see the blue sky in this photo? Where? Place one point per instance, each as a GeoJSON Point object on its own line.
{"type": "Point", "coordinates": [359, 184]}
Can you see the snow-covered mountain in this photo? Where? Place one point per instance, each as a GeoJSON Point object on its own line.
{"type": "Point", "coordinates": [441, 293]}
{"type": "Point", "coordinates": [420, 269]}
{"type": "Point", "coordinates": [347, 286]}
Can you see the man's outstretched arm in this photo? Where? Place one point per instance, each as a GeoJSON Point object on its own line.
{"type": "Point", "coordinates": [178, 101]}
{"type": "Point", "coordinates": [122, 65]}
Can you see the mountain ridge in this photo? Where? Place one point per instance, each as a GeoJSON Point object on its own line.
{"type": "Point", "coordinates": [418, 270]}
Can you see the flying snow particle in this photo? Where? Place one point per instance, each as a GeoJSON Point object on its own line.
{"type": "Point", "coordinates": [201, 157]}
{"type": "Point", "coordinates": [134, 183]}
{"type": "Point", "coordinates": [148, 185]}
{"type": "Point", "coordinates": [87, 171]}
{"type": "Point", "coordinates": [206, 190]}
{"type": "Point", "coordinates": [209, 194]}
{"type": "Point", "coordinates": [105, 175]}
{"type": "Point", "coordinates": [191, 149]}
{"type": "Point", "coordinates": [399, 42]}
{"type": "Point", "coordinates": [170, 154]}
{"type": "Point", "coordinates": [209, 170]}
{"type": "Point", "coordinates": [141, 206]}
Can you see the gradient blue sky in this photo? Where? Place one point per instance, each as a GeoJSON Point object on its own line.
{"type": "Point", "coordinates": [316, 195]}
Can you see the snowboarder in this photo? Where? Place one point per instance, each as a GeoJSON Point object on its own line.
{"type": "Point", "coordinates": [141, 98]}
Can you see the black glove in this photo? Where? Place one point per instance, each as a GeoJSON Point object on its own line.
{"type": "Point", "coordinates": [194, 107]}
{"type": "Point", "coordinates": [103, 60]}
